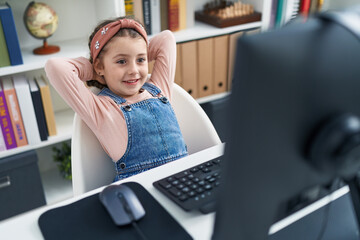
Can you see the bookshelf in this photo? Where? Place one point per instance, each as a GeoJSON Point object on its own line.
{"type": "Point", "coordinates": [71, 36]}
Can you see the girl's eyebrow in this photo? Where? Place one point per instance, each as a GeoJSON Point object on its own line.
{"type": "Point", "coordinates": [126, 55]}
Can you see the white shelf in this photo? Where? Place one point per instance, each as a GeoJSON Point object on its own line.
{"type": "Point", "coordinates": [69, 48]}
{"type": "Point", "coordinates": [63, 124]}
{"type": "Point", "coordinates": [203, 30]}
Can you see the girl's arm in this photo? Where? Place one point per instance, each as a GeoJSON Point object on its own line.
{"type": "Point", "coordinates": [67, 76]}
{"type": "Point", "coordinates": [162, 49]}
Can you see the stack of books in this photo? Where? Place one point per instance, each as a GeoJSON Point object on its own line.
{"type": "Point", "coordinates": [26, 112]}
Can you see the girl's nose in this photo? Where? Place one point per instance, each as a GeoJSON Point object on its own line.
{"type": "Point", "coordinates": [133, 68]}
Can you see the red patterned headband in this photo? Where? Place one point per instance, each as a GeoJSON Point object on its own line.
{"type": "Point", "coordinates": [107, 32]}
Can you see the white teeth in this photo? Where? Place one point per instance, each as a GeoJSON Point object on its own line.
{"type": "Point", "coordinates": [131, 81]}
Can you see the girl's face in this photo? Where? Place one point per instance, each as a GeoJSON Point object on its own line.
{"type": "Point", "coordinates": [124, 65]}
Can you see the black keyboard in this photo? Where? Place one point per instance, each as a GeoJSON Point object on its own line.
{"type": "Point", "coordinates": [195, 188]}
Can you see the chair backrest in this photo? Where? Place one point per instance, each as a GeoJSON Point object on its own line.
{"type": "Point", "coordinates": [93, 168]}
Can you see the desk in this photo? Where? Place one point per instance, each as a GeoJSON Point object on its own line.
{"type": "Point", "coordinates": [199, 226]}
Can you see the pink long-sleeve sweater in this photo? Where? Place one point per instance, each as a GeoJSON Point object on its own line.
{"type": "Point", "coordinates": [101, 113]}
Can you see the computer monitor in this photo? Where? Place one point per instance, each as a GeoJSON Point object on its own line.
{"type": "Point", "coordinates": [294, 105]}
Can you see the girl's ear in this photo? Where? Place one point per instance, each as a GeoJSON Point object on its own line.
{"type": "Point", "coordinates": [99, 71]}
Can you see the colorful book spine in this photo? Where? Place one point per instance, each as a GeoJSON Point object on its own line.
{"type": "Point", "coordinates": [305, 7]}
{"type": "Point", "coordinates": [14, 111]}
{"type": "Point", "coordinates": [129, 8]}
{"type": "Point", "coordinates": [10, 33]}
{"type": "Point", "coordinates": [5, 122]}
{"type": "Point", "coordinates": [22, 89]}
{"type": "Point", "coordinates": [4, 54]}
{"type": "Point", "coordinates": [173, 15]}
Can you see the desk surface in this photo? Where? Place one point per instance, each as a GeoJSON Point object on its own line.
{"type": "Point", "coordinates": [199, 226]}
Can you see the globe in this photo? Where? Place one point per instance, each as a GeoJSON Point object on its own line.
{"type": "Point", "coordinates": [41, 21]}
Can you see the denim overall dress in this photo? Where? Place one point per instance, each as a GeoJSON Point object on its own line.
{"type": "Point", "coordinates": [154, 135]}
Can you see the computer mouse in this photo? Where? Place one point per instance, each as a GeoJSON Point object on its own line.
{"type": "Point", "coordinates": [122, 204]}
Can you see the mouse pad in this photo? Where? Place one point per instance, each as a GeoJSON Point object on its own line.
{"type": "Point", "coordinates": [88, 219]}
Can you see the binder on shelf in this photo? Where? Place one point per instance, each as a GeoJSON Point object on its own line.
{"type": "Point", "coordinates": [14, 111]}
{"type": "Point", "coordinates": [10, 33]}
{"type": "Point", "coordinates": [232, 50]}
{"type": "Point", "coordinates": [4, 54]}
{"type": "Point", "coordinates": [39, 109]}
{"type": "Point", "coordinates": [5, 122]}
{"type": "Point", "coordinates": [189, 67]}
{"type": "Point", "coordinates": [205, 66]}
{"type": "Point", "coordinates": [178, 73]}
{"type": "Point", "coordinates": [221, 58]}
{"type": "Point", "coordinates": [47, 104]}
{"type": "Point", "coordinates": [22, 90]}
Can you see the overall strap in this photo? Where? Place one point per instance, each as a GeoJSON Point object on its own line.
{"type": "Point", "coordinates": [152, 89]}
{"type": "Point", "coordinates": [113, 96]}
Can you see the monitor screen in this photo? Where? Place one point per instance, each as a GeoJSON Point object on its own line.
{"type": "Point", "coordinates": [288, 85]}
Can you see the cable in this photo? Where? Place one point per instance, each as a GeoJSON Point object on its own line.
{"type": "Point", "coordinates": [138, 230]}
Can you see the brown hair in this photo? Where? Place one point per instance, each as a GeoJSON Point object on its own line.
{"type": "Point", "coordinates": [124, 32]}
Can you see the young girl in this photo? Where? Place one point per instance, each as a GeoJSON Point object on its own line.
{"type": "Point", "coordinates": [131, 116]}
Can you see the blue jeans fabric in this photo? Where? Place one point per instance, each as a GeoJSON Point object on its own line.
{"type": "Point", "coordinates": [154, 135]}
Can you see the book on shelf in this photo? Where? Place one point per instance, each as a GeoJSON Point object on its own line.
{"type": "Point", "coordinates": [10, 34]}
{"type": "Point", "coordinates": [173, 15]}
{"type": "Point", "coordinates": [39, 109]}
{"type": "Point", "coordinates": [155, 16]}
{"type": "Point", "coordinates": [182, 14]}
{"type": "Point", "coordinates": [129, 8]}
{"type": "Point", "coordinates": [5, 122]}
{"type": "Point", "coordinates": [14, 111]}
{"type": "Point", "coordinates": [190, 14]}
{"type": "Point", "coordinates": [4, 54]}
{"type": "Point", "coordinates": [147, 16]}
{"type": "Point", "coordinates": [305, 7]}
{"type": "Point", "coordinates": [47, 104]}
{"type": "Point", "coordinates": [164, 14]}
{"type": "Point", "coordinates": [22, 90]}
{"type": "Point", "coordinates": [138, 11]}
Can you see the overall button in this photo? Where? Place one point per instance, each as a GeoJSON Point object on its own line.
{"type": "Point", "coordinates": [164, 99]}
{"type": "Point", "coordinates": [127, 108]}
{"type": "Point", "coordinates": [122, 165]}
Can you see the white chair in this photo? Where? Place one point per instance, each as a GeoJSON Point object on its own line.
{"type": "Point", "coordinates": [93, 168]}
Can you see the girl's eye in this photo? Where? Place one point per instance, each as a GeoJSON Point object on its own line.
{"type": "Point", "coordinates": [140, 60]}
{"type": "Point", "coordinates": [122, 61]}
